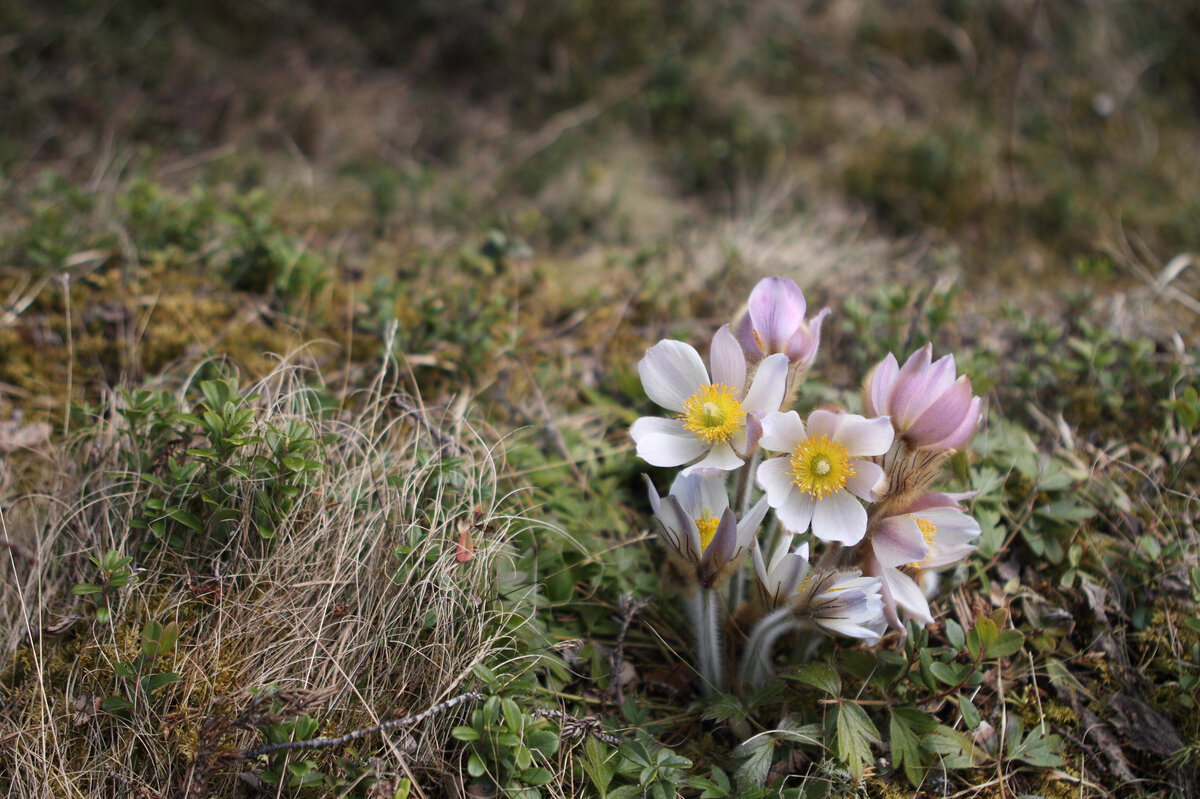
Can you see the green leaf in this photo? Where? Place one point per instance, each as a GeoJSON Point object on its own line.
{"type": "Point", "coordinates": [855, 734]}
{"type": "Point", "coordinates": [83, 589]}
{"type": "Point", "coordinates": [116, 703]}
{"type": "Point", "coordinates": [185, 518]}
{"type": "Point", "coordinates": [475, 766]}
{"type": "Point", "coordinates": [103, 614]}
{"type": "Point", "coordinates": [1007, 643]}
{"type": "Point", "coordinates": [465, 734]}
{"type": "Point", "coordinates": [954, 749]}
{"type": "Point", "coordinates": [756, 755]}
{"type": "Point", "coordinates": [536, 776]}
{"type": "Point", "coordinates": [156, 681]}
{"type": "Point", "coordinates": [595, 765]}
{"type": "Point", "coordinates": [820, 676]}
{"type": "Point", "coordinates": [955, 634]}
{"type": "Point", "coordinates": [970, 714]}
{"type": "Point", "coordinates": [947, 673]}
{"type": "Point", "coordinates": [906, 749]}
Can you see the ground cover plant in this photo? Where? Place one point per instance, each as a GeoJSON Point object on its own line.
{"type": "Point", "coordinates": [350, 360]}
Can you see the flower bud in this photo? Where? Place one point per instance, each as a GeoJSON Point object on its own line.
{"type": "Point", "coordinates": [774, 322]}
{"type": "Point", "coordinates": [930, 409]}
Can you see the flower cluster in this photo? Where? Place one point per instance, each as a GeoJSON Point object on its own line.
{"type": "Point", "coordinates": [860, 487]}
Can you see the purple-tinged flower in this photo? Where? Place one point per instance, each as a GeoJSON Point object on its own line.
{"type": "Point", "coordinates": [774, 322]}
{"type": "Point", "coordinates": [823, 472]}
{"type": "Point", "coordinates": [931, 533]}
{"type": "Point", "coordinates": [929, 408]}
{"type": "Point", "coordinates": [779, 579]}
{"type": "Point", "coordinates": [840, 602]}
{"type": "Point", "coordinates": [702, 535]}
{"type": "Point", "coordinates": [717, 419]}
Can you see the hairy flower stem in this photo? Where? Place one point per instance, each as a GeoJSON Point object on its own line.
{"type": "Point", "coordinates": [745, 488]}
{"type": "Point", "coordinates": [705, 620]}
{"type": "Point", "coordinates": [755, 666]}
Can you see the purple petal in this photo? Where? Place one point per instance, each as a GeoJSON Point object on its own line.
{"type": "Point", "coordinates": [728, 362]}
{"type": "Point", "coordinates": [880, 385]}
{"type": "Point", "coordinates": [943, 417]}
{"type": "Point", "coordinates": [959, 438]}
{"type": "Point", "coordinates": [724, 542]}
{"type": "Point", "coordinates": [672, 371]}
{"type": "Point", "coordinates": [908, 393]}
{"type": "Point", "coordinates": [897, 541]}
{"type": "Point", "coordinates": [802, 348]}
{"type": "Point", "coordinates": [776, 308]}
{"type": "Point", "coordinates": [908, 595]}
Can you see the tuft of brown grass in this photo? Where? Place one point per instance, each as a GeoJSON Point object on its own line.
{"type": "Point", "coordinates": [325, 612]}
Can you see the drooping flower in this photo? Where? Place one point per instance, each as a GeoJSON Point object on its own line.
{"type": "Point", "coordinates": [843, 603]}
{"type": "Point", "coordinates": [774, 322]}
{"type": "Point", "coordinates": [931, 533]}
{"type": "Point", "coordinates": [823, 472]}
{"type": "Point", "coordinates": [839, 602]}
{"type": "Point", "coordinates": [929, 408]}
{"type": "Point", "coordinates": [778, 580]}
{"type": "Point", "coordinates": [702, 534]}
{"type": "Point", "coordinates": [717, 419]}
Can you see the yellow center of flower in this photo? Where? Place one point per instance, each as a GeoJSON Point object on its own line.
{"type": "Point", "coordinates": [713, 414]}
{"type": "Point", "coordinates": [707, 526]}
{"type": "Point", "coordinates": [929, 533]}
{"type": "Point", "coordinates": [820, 466]}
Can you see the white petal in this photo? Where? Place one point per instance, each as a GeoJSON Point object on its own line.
{"type": "Point", "coordinates": [748, 526]}
{"type": "Point", "coordinates": [672, 371]}
{"type": "Point", "coordinates": [795, 512]}
{"type": "Point", "coordinates": [721, 456]}
{"type": "Point", "coordinates": [774, 477]}
{"type": "Point", "coordinates": [867, 478]}
{"type": "Point", "coordinates": [770, 384]}
{"type": "Point", "coordinates": [824, 423]}
{"type": "Point", "coordinates": [781, 431]}
{"type": "Point", "coordinates": [908, 595]}
{"type": "Point", "coordinates": [839, 517]}
{"type": "Point", "coordinates": [665, 442]}
{"type": "Point", "coordinates": [728, 361]}
{"type": "Point", "coordinates": [862, 436]}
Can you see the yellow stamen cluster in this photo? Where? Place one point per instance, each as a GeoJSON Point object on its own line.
{"type": "Point", "coordinates": [820, 466]}
{"type": "Point", "coordinates": [707, 527]}
{"type": "Point", "coordinates": [713, 414]}
{"type": "Point", "coordinates": [929, 533]}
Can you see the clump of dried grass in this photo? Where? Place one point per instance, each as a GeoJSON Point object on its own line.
{"type": "Point", "coordinates": [325, 611]}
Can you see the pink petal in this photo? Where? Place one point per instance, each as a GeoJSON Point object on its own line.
{"type": "Point", "coordinates": [743, 330]}
{"type": "Point", "coordinates": [728, 362]}
{"type": "Point", "coordinates": [672, 371]}
{"type": "Point", "coordinates": [804, 344]}
{"type": "Point", "coordinates": [943, 416]}
{"type": "Point", "coordinates": [908, 393]}
{"type": "Point", "coordinates": [665, 442]}
{"type": "Point", "coordinates": [781, 432]}
{"type": "Point", "coordinates": [769, 385]}
{"type": "Point", "coordinates": [862, 436]}
{"type": "Point", "coordinates": [839, 517]}
{"type": "Point", "coordinates": [897, 541]}
{"type": "Point", "coordinates": [866, 480]}
{"type": "Point", "coordinates": [959, 438]}
{"type": "Point", "coordinates": [880, 385]}
{"type": "Point", "coordinates": [776, 308]}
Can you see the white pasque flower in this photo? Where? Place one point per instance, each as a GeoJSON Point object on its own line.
{"type": "Point", "coordinates": [700, 530]}
{"type": "Point", "coordinates": [824, 472]}
{"type": "Point", "coordinates": [717, 419]}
